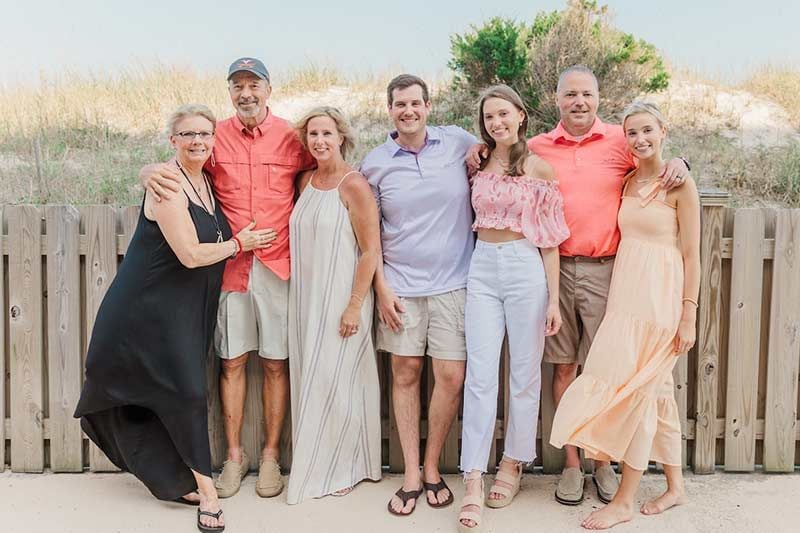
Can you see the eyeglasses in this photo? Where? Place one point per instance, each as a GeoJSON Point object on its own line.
{"type": "Point", "coordinates": [190, 135]}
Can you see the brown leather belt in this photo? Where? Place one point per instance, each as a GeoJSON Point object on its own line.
{"type": "Point", "coordinates": [587, 259]}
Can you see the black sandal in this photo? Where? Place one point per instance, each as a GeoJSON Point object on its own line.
{"type": "Point", "coordinates": [209, 529]}
{"type": "Point", "coordinates": [186, 501]}
{"type": "Point", "coordinates": [404, 497]}
{"type": "Point", "coordinates": [435, 488]}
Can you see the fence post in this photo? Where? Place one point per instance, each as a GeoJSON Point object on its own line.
{"type": "Point", "coordinates": [713, 203]}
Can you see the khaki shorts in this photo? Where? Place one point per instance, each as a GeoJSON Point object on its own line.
{"type": "Point", "coordinates": [433, 321]}
{"type": "Point", "coordinates": [583, 292]}
{"type": "Point", "coordinates": [255, 320]}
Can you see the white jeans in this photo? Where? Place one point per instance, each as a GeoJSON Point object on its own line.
{"type": "Point", "coordinates": [507, 290]}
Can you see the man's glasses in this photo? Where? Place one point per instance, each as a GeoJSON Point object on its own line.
{"type": "Point", "coordinates": [190, 135]}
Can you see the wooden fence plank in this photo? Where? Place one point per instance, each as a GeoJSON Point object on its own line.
{"type": "Point", "coordinates": [64, 337]}
{"type": "Point", "coordinates": [25, 335]}
{"type": "Point", "coordinates": [129, 216]}
{"type": "Point", "coordinates": [784, 346]}
{"type": "Point", "coordinates": [680, 376]}
{"type": "Point", "coordinates": [100, 223]}
{"type": "Point", "coordinates": [552, 458]}
{"type": "Point", "coordinates": [708, 338]}
{"type": "Point", "coordinates": [2, 355]}
{"type": "Point", "coordinates": [744, 339]}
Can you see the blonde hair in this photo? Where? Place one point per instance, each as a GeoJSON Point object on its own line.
{"type": "Point", "coordinates": [190, 110]}
{"type": "Point", "coordinates": [640, 106]}
{"type": "Point", "coordinates": [342, 126]}
{"type": "Point", "coordinates": [519, 151]}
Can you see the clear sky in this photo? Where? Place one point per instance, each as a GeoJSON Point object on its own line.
{"type": "Point", "coordinates": [718, 38]}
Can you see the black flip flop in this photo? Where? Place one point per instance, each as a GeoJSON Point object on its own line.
{"type": "Point", "coordinates": [435, 488]}
{"type": "Point", "coordinates": [209, 529]}
{"type": "Point", "coordinates": [404, 497]}
{"type": "Point", "coordinates": [185, 501]}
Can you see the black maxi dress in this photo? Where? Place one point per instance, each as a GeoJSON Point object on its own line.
{"type": "Point", "coordinates": [144, 399]}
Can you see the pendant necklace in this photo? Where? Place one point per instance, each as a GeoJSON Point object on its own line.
{"type": "Point", "coordinates": [206, 210]}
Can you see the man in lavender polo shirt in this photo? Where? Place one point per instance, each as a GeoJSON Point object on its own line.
{"type": "Point", "coordinates": [420, 181]}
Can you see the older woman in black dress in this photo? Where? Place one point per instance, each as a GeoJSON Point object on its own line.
{"type": "Point", "coordinates": [144, 397]}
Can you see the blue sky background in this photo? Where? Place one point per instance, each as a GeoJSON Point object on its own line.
{"type": "Point", "coordinates": [719, 39]}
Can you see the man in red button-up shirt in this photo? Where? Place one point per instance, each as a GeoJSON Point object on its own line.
{"type": "Point", "coordinates": [253, 167]}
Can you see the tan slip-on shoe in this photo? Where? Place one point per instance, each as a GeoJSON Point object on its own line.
{"type": "Point", "coordinates": [230, 479]}
{"type": "Point", "coordinates": [606, 482]}
{"type": "Point", "coordinates": [570, 487]}
{"type": "Point", "coordinates": [270, 482]}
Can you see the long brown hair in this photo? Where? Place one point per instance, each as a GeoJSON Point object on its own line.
{"type": "Point", "coordinates": [519, 151]}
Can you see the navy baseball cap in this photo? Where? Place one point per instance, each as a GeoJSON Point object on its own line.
{"type": "Point", "coordinates": [248, 64]}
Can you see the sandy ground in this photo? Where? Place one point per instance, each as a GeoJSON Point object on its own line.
{"type": "Point", "coordinates": [117, 503]}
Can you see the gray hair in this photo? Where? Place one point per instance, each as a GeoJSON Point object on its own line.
{"type": "Point", "coordinates": [640, 106]}
{"type": "Point", "coordinates": [190, 110]}
{"type": "Point", "coordinates": [575, 69]}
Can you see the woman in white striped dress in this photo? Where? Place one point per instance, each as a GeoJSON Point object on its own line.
{"type": "Point", "coordinates": [335, 244]}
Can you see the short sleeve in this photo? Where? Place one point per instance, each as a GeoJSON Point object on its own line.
{"type": "Point", "coordinates": [464, 138]}
{"type": "Point", "coordinates": [543, 222]}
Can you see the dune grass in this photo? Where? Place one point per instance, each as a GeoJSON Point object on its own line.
{"type": "Point", "coordinates": [81, 139]}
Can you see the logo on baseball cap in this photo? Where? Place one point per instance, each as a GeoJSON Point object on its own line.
{"type": "Point", "coordinates": [248, 64]}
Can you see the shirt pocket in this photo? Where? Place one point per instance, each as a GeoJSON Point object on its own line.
{"type": "Point", "coordinates": [280, 172]}
{"type": "Point", "coordinates": [230, 170]}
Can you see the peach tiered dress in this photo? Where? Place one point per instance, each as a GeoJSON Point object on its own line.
{"type": "Point", "coordinates": [622, 407]}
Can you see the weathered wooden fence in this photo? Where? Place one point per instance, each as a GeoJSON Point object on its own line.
{"type": "Point", "coordinates": [738, 389]}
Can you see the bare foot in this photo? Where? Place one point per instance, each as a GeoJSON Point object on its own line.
{"type": "Point", "coordinates": [211, 506]}
{"type": "Point", "coordinates": [397, 504]}
{"type": "Point", "coordinates": [435, 498]}
{"type": "Point", "coordinates": [342, 492]}
{"type": "Point", "coordinates": [511, 468]}
{"type": "Point", "coordinates": [664, 502]}
{"type": "Point", "coordinates": [609, 516]}
{"type": "Point", "coordinates": [193, 497]}
{"type": "Point", "coordinates": [474, 487]}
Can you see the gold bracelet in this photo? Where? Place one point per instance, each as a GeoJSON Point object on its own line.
{"type": "Point", "coordinates": [692, 300]}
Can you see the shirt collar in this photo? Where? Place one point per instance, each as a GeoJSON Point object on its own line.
{"type": "Point", "coordinates": [559, 133]}
{"type": "Point", "coordinates": [260, 129]}
{"type": "Point", "coordinates": [432, 136]}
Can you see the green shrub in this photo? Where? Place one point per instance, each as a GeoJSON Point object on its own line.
{"type": "Point", "coordinates": [531, 57]}
{"type": "Point", "coordinates": [494, 53]}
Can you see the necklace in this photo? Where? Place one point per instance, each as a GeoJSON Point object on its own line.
{"type": "Point", "coordinates": [209, 211]}
{"type": "Point", "coordinates": [648, 179]}
{"type": "Point", "coordinates": [505, 163]}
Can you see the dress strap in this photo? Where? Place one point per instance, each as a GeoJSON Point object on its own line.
{"type": "Point", "coordinates": [651, 192]}
{"type": "Point", "coordinates": [343, 177]}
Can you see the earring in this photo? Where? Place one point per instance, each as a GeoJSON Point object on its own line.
{"type": "Point", "coordinates": [213, 162]}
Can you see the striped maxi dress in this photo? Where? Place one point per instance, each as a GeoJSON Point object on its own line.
{"type": "Point", "coordinates": [334, 380]}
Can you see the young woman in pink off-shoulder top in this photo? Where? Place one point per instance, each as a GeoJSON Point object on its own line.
{"type": "Point", "coordinates": [512, 286]}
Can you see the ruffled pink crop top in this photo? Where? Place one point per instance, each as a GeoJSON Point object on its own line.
{"type": "Point", "coordinates": [531, 206]}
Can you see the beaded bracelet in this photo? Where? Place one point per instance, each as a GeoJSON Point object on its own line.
{"type": "Point", "coordinates": [238, 245]}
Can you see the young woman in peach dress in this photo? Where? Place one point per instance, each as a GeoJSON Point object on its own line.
{"type": "Point", "coordinates": [622, 407]}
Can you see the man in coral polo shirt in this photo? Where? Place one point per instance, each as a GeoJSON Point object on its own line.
{"type": "Point", "coordinates": [253, 167]}
{"type": "Point", "coordinates": [590, 158]}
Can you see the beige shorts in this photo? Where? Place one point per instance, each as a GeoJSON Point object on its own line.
{"type": "Point", "coordinates": [582, 296]}
{"type": "Point", "coordinates": [255, 320]}
{"type": "Point", "coordinates": [435, 322]}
